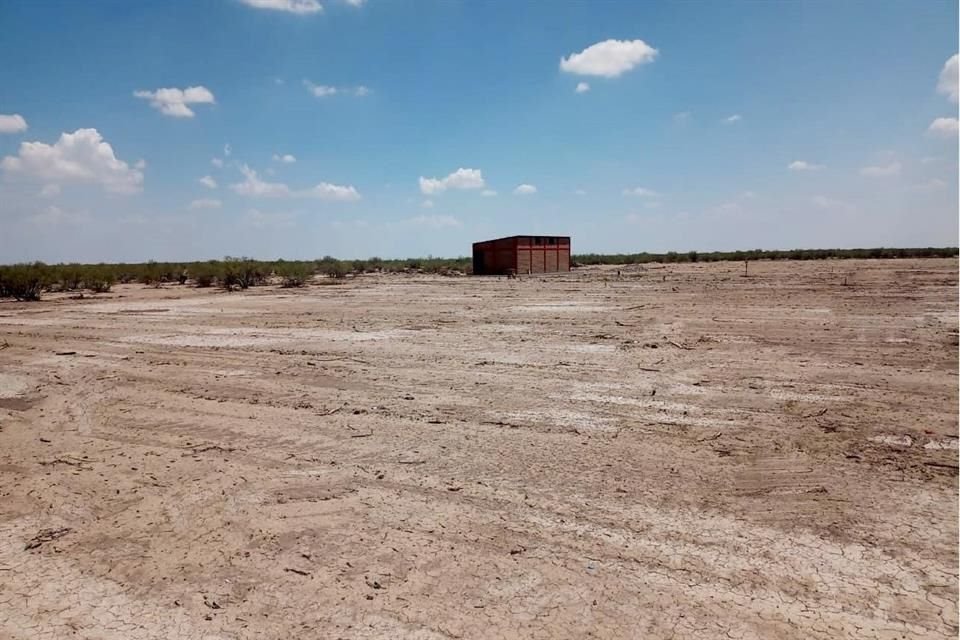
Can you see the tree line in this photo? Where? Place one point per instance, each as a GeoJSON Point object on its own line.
{"type": "Point", "coordinates": [27, 281]}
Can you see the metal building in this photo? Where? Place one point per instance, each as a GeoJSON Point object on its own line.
{"type": "Point", "coordinates": [521, 255]}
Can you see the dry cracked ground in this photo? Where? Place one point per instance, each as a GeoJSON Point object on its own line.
{"type": "Point", "coordinates": [671, 452]}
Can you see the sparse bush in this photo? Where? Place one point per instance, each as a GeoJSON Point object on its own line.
{"type": "Point", "coordinates": [204, 274]}
{"type": "Point", "coordinates": [243, 273]}
{"type": "Point", "coordinates": [24, 281]}
{"type": "Point", "coordinates": [294, 274]}
{"type": "Point", "coordinates": [99, 279]}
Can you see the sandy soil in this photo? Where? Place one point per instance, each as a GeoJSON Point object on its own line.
{"type": "Point", "coordinates": [681, 452]}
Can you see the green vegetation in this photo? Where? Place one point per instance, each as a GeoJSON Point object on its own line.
{"type": "Point", "coordinates": [761, 254]}
{"type": "Point", "coordinates": [29, 281]}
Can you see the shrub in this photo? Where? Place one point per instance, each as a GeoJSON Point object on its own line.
{"type": "Point", "coordinates": [99, 279]}
{"type": "Point", "coordinates": [24, 281]}
{"type": "Point", "coordinates": [242, 273]}
{"type": "Point", "coordinates": [294, 274]}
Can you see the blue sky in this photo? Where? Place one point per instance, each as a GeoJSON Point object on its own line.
{"type": "Point", "coordinates": [380, 127]}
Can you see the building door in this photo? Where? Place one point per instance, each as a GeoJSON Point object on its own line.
{"type": "Point", "coordinates": [478, 267]}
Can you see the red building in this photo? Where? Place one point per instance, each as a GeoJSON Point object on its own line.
{"type": "Point", "coordinates": [521, 255]}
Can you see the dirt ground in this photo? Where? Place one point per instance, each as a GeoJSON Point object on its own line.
{"type": "Point", "coordinates": [677, 452]}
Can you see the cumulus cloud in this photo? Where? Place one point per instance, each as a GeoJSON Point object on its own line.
{"type": "Point", "coordinates": [947, 84]}
{"type": "Point", "coordinates": [324, 90]}
{"type": "Point", "coordinates": [803, 165]}
{"type": "Point", "coordinates": [50, 191]}
{"type": "Point", "coordinates": [174, 102]}
{"type": "Point", "coordinates": [733, 119]}
{"type": "Point", "coordinates": [262, 220]}
{"type": "Point", "coordinates": [641, 192]}
{"type": "Point", "coordinates": [831, 204]}
{"type": "Point", "coordinates": [944, 128]}
{"type": "Point", "coordinates": [327, 191]}
{"type": "Point", "coordinates": [54, 215]}
{"type": "Point", "coordinates": [208, 182]}
{"type": "Point", "coordinates": [285, 158]}
{"type": "Point", "coordinates": [459, 179]}
{"type": "Point", "coordinates": [79, 157]}
{"type": "Point", "coordinates": [205, 203]}
{"type": "Point", "coordinates": [609, 59]}
{"type": "Point", "coordinates": [217, 162]}
{"type": "Point", "coordinates": [525, 190]}
{"type": "Point", "coordinates": [582, 87]}
{"type": "Point", "coordinates": [299, 7]}
{"type": "Point", "coordinates": [435, 221]}
{"type": "Point", "coordinates": [13, 123]}
{"type": "Point", "coordinates": [892, 169]}
{"type": "Point", "coordinates": [932, 184]}
{"type": "Point", "coordinates": [255, 186]}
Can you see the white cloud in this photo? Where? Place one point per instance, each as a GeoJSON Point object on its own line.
{"type": "Point", "coordinates": [260, 220]}
{"type": "Point", "coordinates": [254, 186]}
{"type": "Point", "coordinates": [525, 190]}
{"type": "Point", "coordinates": [173, 102]}
{"type": "Point", "coordinates": [733, 119]}
{"type": "Point", "coordinates": [803, 165]}
{"type": "Point", "coordinates": [892, 169]}
{"type": "Point", "coordinates": [682, 117]}
{"type": "Point", "coordinates": [582, 87]}
{"type": "Point", "coordinates": [459, 179]}
{"type": "Point", "coordinates": [641, 192]}
{"type": "Point", "coordinates": [427, 204]}
{"type": "Point", "coordinates": [227, 150]}
{"type": "Point", "coordinates": [930, 185]}
{"type": "Point", "coordinates": [356, 3]}
{"type": "Point", "coordinates": [435, 222]}
{"type": "Point", "coordinates": [12, 123]}
{"type": "Point", "coordinates": [208, 182]}
{"type": "Point", "coordinates": [54, 215]}
{"type": "Point", "coordinates": [319, 90]}
{"type": "Point", "coordinates": [324, 91]}
{"type": "Point", "coordinates": [327, 191]}
{"type": "Point", "coordinates": [947, 84]}
{"type": "Point", "coordinates": [609, 58]}
{"type": "Point", "coordinates": [831, 204]}
{"type": "Point", "coordinates": [299, 7]}
{"type": "Point", "coordinates": [50, 191]}
{"type": "Point", "coordinates": [944, 128]}
{"type": "Point", "coordinates": [205, 203]}
{"type": "Point", "coordinates": [728, 207]}
{"type": "Point", "coordinates": [488, 193]}
{"type": "Point", "coordinates": [140, 164]}
{"type": "Point", "coordinates": [749, 195]}
{"type": "Point", "coordinates": [217, 162]}
{"type": "Point", "coordinates": [285, 158]}
{"type": "Point", "coordinates": [579, 192]}
{"type": "Point", "coordinates": [81, 157]}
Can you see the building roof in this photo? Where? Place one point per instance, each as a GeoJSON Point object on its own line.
{"type": "Point", "coordinates": [522, 235]}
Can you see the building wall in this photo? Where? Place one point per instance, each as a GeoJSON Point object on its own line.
{"type": "Point", "coordinates": [522, 254]}
{"type": "Point", "coordinates": [543, 254]}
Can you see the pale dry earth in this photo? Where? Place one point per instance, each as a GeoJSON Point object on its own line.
{"type": "Point", "coordinates": [678, 452]}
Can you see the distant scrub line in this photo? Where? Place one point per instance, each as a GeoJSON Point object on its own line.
{"type": "Point", "coordinates": [29, 281]}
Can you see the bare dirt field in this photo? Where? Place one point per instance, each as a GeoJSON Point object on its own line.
{"type": "Point", "coordinates": [680, 452]}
